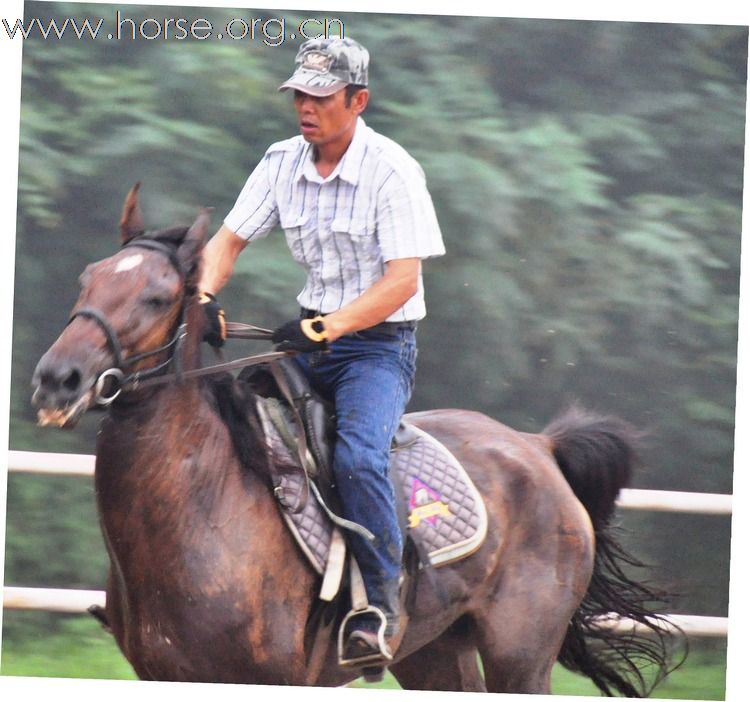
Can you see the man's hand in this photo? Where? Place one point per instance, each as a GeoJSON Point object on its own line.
{"type": "Point", "coordinates": [301, 335]}
{"type": "Point", "coordinates": [215, 332]}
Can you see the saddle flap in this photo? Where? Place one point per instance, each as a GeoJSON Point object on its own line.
{"type": "Point", "coordinates": [405, 436]}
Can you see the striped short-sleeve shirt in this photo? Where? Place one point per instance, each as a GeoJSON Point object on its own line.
{"type": "Point", "coordinates": [343, 229]}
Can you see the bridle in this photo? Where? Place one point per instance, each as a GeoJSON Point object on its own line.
{"type": "Point", "coordinates": [122, 379]}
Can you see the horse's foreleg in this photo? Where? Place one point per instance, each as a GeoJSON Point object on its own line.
{"type": "Point", "coordinates": [450, 662]}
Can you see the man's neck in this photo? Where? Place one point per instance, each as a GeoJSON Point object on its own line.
{"type": "Point", "coordinates": [327, 156]}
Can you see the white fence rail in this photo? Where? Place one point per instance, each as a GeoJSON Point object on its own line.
{"type": "Point", "coordinates": [51, 463]}
{"type": "Point", "coordinates": [57, 600]}
{"type": "Point", "coordinates": [51, 600]}
{"type": "Point", "coordinates": [77, 601]}
{"type": "Point", "coordinates": [673, 501]}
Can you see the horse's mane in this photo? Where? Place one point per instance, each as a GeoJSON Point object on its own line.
{"type": "Point", "coordinates": [235, 404]}
{"type": "Point", "coordinates": [169, 235]}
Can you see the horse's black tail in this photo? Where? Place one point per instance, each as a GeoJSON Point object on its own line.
{"type": "Point", "coordinates": [597, 455]}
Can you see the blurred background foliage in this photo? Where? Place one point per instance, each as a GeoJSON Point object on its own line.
{"type": "Point", "coordinates": [587, 177]}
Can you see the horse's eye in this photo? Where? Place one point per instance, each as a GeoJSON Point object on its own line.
{"type": "Point", "coordinates": [156, 303]}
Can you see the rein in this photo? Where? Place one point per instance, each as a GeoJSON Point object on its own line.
{"type": "Point", "coordinates": [157, 375]}
{"type": "Point", "coordinates": [133, 382]}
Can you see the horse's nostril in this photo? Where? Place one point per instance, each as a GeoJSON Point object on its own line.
{"type": "Point", "coordinates": [47, 380]}
{"type": "Point", "coordinates": [72, 381]}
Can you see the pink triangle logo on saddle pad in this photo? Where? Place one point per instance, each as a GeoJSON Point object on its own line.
{"type": "Point", "coordinates": [425, 505]}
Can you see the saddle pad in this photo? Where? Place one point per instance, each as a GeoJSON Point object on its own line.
{"type": "Point", "coordinates": [311, 527]}
{"type": "Point", "coordinates": [446, 514]}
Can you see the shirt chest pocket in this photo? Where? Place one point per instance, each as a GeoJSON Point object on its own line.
{"type": "Point", "coordinates": [356, 243]}
{"type": "Point", "coordinates": [301, 239]}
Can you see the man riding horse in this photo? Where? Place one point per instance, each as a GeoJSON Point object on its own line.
{"type": "Point", "coordinates": [359, 219]}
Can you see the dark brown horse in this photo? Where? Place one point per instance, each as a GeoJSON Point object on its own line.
{"type": "Point", "coordinates": [206, 583]}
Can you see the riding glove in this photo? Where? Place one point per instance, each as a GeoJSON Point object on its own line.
{"type": "Point", "coordinates": [215, 332]}
{"type": "Point", "coordinates": [301, 335]}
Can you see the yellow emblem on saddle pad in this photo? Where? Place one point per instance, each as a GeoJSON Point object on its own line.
{"type": "Point", "coordinates": [425, 504]}
{"type": "Point", "coordinates": [428, 512]}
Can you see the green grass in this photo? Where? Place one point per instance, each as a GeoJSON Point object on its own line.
{"type": "Point", "coordinates": [79, 648]}
{"type": "Point", "coordinates": [702, 677]}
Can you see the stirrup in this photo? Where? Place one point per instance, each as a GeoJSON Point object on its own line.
{"type": "Point", "coordinates": [382, 656]}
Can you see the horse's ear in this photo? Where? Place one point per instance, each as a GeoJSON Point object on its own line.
{"type": "Point", "coordinates": [195, 239]}
{"type": "Point", "coordinates": [131, 222]}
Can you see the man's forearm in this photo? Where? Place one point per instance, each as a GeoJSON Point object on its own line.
{"type": "Point", "coordinates": [219, 257]}
{"type": "Point", "coordinates": [377, 303]}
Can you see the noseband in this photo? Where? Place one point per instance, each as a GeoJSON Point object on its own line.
{"type": "Point", "coordinates": [118, 372]}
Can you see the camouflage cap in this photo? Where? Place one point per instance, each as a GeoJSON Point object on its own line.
{"type": "Point", "coordinates": [324, 66]}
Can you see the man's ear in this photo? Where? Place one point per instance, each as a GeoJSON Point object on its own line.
{"type": "Point", "coordinates": [360, 100]}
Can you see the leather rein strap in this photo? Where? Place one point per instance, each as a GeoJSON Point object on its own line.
{"type": "Point", "coordinates": [135, 383]}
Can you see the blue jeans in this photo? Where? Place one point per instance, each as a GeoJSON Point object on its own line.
{"type": "Point", "coordinates": [369, 376]}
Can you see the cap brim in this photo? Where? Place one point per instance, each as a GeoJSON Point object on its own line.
{"type": "Point", "coordinates": [313, 83]}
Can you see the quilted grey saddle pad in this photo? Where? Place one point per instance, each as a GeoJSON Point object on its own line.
{"type": "Point", "coordinates": [446, 514]}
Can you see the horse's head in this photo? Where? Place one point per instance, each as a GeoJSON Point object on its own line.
{"type": "Point", "coordinates": [129, 316]}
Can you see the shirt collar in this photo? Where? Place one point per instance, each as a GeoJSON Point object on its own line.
{"type": "Point", "coordinates": [351, 162]}
{"type": "Point", "coordinates": [348, 167]}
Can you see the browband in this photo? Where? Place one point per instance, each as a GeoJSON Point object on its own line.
{"type": "Point", "coordinates": [156, 245]}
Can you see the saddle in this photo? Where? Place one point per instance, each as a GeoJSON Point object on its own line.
{"type": "Point", "coordinates": [441, 513]}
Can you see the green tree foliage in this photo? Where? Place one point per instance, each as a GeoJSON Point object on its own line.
{"type": "Point", "coordinates": [587, 177]}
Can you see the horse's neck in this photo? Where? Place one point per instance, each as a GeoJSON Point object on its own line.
{"type": "Point", "coordinates": [179, 513]}
{"type": "Point", "coordinates": [172, 447]}
{"type": "Point", "coordinates": [167, 453]}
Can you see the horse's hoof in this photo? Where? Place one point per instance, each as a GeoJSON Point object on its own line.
{"type": "Point", "coordinates": [373, 674]}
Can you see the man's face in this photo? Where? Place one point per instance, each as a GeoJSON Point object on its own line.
{"type": "Point", "coordinates": [325, 120]}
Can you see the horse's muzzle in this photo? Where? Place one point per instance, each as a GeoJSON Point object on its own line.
{"type": "Point", "coordinates": [63, 391]}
